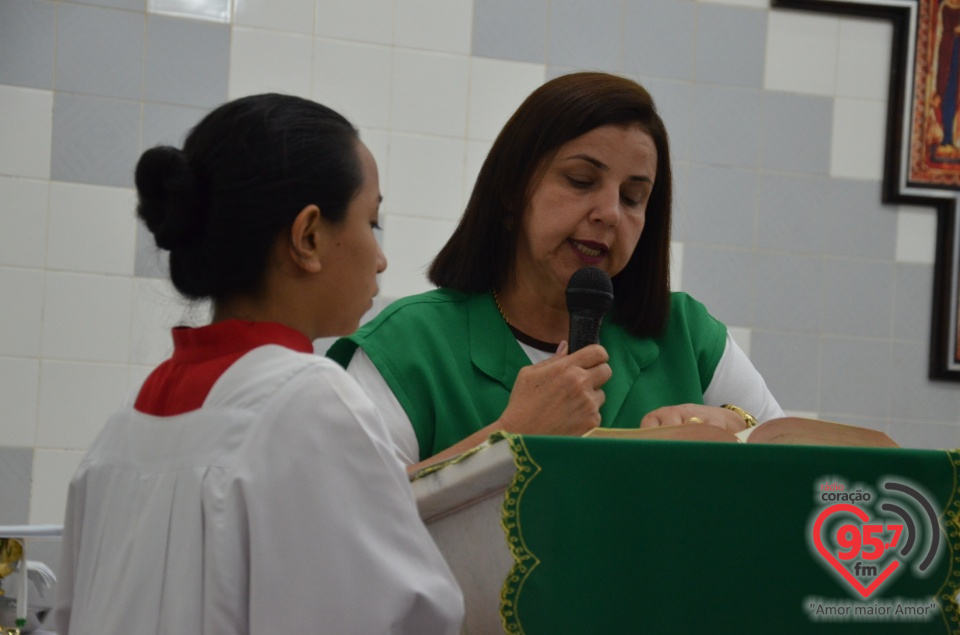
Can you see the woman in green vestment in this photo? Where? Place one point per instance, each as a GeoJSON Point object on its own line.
{"type": "Point", "coordinates": [579, 176]}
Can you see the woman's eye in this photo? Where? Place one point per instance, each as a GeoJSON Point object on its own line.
{"type": "Point", "coordinates": [579, 182]}
{"type": "Point", "coordinates": [375, 225]}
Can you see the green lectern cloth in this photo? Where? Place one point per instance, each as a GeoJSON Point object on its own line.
{"type": "Point", "coordinates": [626, 536]}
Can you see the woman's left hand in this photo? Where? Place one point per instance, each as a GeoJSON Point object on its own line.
{"type": "Point", "coordinates": [687, 414]}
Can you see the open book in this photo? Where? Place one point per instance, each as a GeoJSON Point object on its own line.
{"type": "Point", "coordinates": [787, 430]}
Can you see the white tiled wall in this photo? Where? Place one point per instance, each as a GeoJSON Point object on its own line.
{"type": "Point", "coordinates": [79, 330]}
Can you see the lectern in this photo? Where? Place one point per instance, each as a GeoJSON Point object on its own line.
{"type": "Point", "coordinates": [577, 535]}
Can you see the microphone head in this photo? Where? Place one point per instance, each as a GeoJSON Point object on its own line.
{"type": "Point", "coordinates": [590, 289]}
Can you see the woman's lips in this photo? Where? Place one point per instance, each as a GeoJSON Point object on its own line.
{"type": "Point", "coordinates": [588, 251]}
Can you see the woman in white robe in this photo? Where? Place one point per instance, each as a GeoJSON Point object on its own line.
{"type": "Point", "coordinates": [251, 486]}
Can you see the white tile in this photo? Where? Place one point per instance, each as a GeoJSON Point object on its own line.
{"type": "Point", "coordinates": [93, 229]}
{"type": "Point", "coordinates": [289, 15]}
{"type": "Point", "coordinates": [477, 152]}
{"type": "Point", "coordinates": [916, 234]}
{"type": "Point", "coordinates": [497, 88]}
{"type": "Point", "coordinates": [75, 400]}
{"type": "Point", "coordinates": [676, 266]}
{"type": "Point", "coordinates": [213, 10]}
{"type": "Point", "coordinates": [23, 222]}
{"type": "Point", "coordinates": [354, 79]}
{"type": "Point", "coordinates": [21, 319]}
{"type": "Point", "coordinates": [19, 381]}
{"type": "Point", "coordinates": [801, 52]}
{"type": "Point", "coordinates": [863, 64]}
{"type": "Point", "coordinates": [410, 244]}
{"type": "Point", "coordinates": [429, 93]}
{"type": "Point", "coordinates": [435, 25]}
{"type": "Point", "coordinates": [26, 131]}
{"type": "Point", "coordinates": [857, 145]}
{"type": "Point", "coordinates": [425, 177]}
{"type": "Point", "coordinates": [741, 336]}
{"type": "Point", "coordinates": [86, 317]}
{"type": "Point", "coordinates": [269, 61]}
{"type": "Point", "coordinates": [358, 20]}
{"type": "Point", "coordinates": [52, 471]}
{"type": "Point", "coordinates": [157, 308]}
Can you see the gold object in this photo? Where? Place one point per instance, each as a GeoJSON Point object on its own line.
{"type": "Point", "coordinates": [11, 551]}
{"type": "Point", "coordinates": [695, 420]}
{"type": "Point", "coordinates": [496, 299]}
{"type": "Point", "coordinates": [746, 416]}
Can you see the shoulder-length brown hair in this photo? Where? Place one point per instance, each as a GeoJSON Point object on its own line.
{"type": "Point", "coordinates": [480, 254]}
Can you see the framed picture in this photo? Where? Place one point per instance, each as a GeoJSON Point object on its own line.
{"type": "Point", "coordinates": [922, 160]}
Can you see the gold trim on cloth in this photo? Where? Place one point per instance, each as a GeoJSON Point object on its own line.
{"type": "Point", "coordinates": [947, 595]}
{"type": "Point", "coordinates": [524, 560]}
{"type": "Point", "coordinates": [430, 469]}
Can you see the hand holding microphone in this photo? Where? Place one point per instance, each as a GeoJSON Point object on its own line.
{"type": "Point", "coordinates": [563, 394]}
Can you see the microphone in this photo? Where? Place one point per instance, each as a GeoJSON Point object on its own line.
{"type": "Point", "coordinates": [589, 297]}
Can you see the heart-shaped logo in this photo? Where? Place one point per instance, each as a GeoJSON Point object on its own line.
{"type": "Point", "coordinates": [851, 539]}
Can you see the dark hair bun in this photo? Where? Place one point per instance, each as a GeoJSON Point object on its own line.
{"type": "Point", "coordinates": [169, 202]}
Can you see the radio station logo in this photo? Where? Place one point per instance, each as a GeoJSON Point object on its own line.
{"type": "Point", "coordinates": [866, 538]}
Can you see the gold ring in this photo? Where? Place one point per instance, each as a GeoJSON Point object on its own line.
{"type": "Point", "coordinates": [695, 420]}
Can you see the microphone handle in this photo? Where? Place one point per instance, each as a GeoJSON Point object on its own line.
{"type": "Point", "coordinates": [584, 329]}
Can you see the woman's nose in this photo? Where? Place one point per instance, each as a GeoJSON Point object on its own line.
{"type": "Point", "coordinates": [381, 260]}
{"type": "Point", "coordinates": [607, 208]}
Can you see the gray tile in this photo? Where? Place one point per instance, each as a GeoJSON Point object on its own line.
{"type": "Point", "coordinates": [168, 125]}
{"type": "Point", "coordinates": [790, 364]}
{"type": "Point", "coordinates": [725, 125]}
{"type": "Point", "coordinates": [658, 38]}
{"type": "Point", "coordinates": [95, 140]}
{"type": "Point", "coordinates": [510, 30]}
{"type": "Point", "coordinates": [133, 5]}
{"type": "Point", "coordinates": [674, 104]}
{"type": "Point", "coordinates": [187, 61]}
{"type": "Point", "coordinates": [16, 475]}
{"type": "Point", "coordinates": [27, 35]}
{"type": "Point", "coordinates": [99, 51]}
{"type": "Point", "coordinates": [796, 132]}
{"type": "Point", "coordinates": [792, 212]}
{"type": "Point", "coordinates": [554, 72]}
{"type": "Point", "coordinates": [788, 292]}
{"type": "Point", "coordinates": [912, 395]}
{"type": "Point", "coordinates": [857, 223]}
{"type": "Point", "coordinates": [731, 45]}
{"type": "Point", "coordinates": [585, 38]}
{"type": "Point", "coordinates": [925, 435]}
{"type": "Point", "coordinates": [858, 297]}
{"type": "Point", "coordinates": [722, 280]}
{"type": "Point", "coordinates": [721, 205]}
{"type": "Point", "coordinates": [912, 301]}
{"type": "Point", "coordinates": [855, 377]}
{"type": "Point", "coordinates": [149, 261]}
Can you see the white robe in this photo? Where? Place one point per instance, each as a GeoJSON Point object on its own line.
{"type": "Point", "coordinates": [278, 507]}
